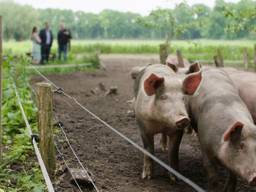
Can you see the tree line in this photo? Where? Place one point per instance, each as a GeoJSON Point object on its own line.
{"type": "Point", "coordinates": [223, 21]}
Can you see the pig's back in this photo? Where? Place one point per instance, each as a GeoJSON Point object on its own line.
{"type": "Point", "coordinates": [216, 107]}
{"type": "Point", "coordinates": [246, 83]}
{"type": "Point", "coordinates": [217, 88]}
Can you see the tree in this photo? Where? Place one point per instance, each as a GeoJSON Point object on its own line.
{"type": "Point", "coordinates": [242, 18]}
{"type": "Point", "coordinates": [18, 20]}
{"type": "Point", "coordinates": [225, 20]}
{"type": "Point", "coordinates": [185, 21]}
{"type": "Point", "coordinates": [202, 20]}
{"type": "Point", "coordinates": [162, 20]}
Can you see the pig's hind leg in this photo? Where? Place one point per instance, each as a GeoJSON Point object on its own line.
{"type": "Point", "coordinates": [173, 151]}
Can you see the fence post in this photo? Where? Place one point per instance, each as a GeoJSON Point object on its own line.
{"type": "Point", "coordinates": [220, 58]}
{"type": "Point", "coordinates": [45, 126]}
{"type": "Point", "coordinates": [163, 52]}
{"type": "Point", "coordinates": [1, 63]}
{"type": "Point", "coordinates": [254, 59]}
{"type": "Point", "coordinates": [180, 59]}
{"type": "Point", "coordinates": [216, 61]}
{"type": "Point", "coordinates": [246, 59]}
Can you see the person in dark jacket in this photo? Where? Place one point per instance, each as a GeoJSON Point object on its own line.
{"type": "Point", "coordinates": [46, 44]}
{"type": "Point", "coordinates": [64, 37]}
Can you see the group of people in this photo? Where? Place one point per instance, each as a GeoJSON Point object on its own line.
{"type": "Point", "coordinates": [42, 43]}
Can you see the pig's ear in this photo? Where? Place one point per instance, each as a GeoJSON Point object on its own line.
{"type": "Point", "coordinates": [191, 83]}
{"type": "Point", "coordinates": [172, 66]}
{"type": "Point", "coordinates": [234, 132]}
{"type": "Point", "coordinates": [195, 67]}
{"type": "Point", "coordinates": [152, 83]}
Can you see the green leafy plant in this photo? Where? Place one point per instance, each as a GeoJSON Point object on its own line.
{"type": "Point", "coordinates": [19, 170]}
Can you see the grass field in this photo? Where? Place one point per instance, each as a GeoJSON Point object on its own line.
{"type": "Point", "coordinates": [25, 46]}
{"type": "Point", "coordinates": [202, 50]}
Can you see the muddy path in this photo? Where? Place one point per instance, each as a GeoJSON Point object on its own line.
{"type": "Point", "coordinates": [115, 164]}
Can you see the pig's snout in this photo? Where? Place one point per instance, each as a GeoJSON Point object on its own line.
{"type": "Point", "coordinates": [183, 122]}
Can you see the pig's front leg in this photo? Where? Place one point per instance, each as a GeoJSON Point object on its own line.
{"type": "Point", "coordinates": [173, 151]}
{"type": "Point", "coordinates": [148, 142]}
{"type": "Point", "coordinates": [230, 185]}
{"type": "Point", "coordinates": [211, 171]}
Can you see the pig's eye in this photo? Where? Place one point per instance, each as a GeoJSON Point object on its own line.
{"type": "Point", "coordinates": [163, 97]}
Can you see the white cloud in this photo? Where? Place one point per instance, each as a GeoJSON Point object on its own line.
{"type": "Point", "coordinates": [95, 6]}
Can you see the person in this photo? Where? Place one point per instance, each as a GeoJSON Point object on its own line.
{"type": "Point", "coordinates": [36, 47]}
{"type": "Point", "coordinates": [64, 37]}
{"type": "Point", "coordinates": [46, 44]}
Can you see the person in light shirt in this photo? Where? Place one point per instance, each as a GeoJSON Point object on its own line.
{"type": "Point", "coordinates": [46, 42]}
{"type": "Point", "coordinates": [36, 48]}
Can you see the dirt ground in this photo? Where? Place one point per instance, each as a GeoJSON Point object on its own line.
{"type": "Point", "coordinates": [116, 165]}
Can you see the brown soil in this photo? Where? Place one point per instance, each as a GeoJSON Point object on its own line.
{"type": "Point", "coordinates": [115, 164]}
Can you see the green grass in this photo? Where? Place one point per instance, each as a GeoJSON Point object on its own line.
{"type": "Point", "coordinates": [152, 45]}
{"type": "Point", "coordinates": [62, 70]}
{"type": "Point", "coordinates": [183, 43]}
{"type": "Point", "coordinates": [192, 50]}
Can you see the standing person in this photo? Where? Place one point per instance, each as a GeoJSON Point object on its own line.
{"type": "Point", "coordinates": [47, 39]}
{"type": "Point", "coordinates": [36, 46]}
{"type": "Point", "coordinates": [69, 41]}
{"type": "Point", "coordinates": [64, 37]}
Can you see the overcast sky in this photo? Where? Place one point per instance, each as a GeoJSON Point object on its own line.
{"type": "Point", "coordinates": [95, 6]}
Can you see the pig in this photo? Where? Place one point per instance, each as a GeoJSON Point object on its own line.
{"type": "Point", "coordinates": [225, 128]}
{"type": "Point", "coordinates": [159, 108]}
{"type": "Point", "coordinates": [135, 71]}
{"type": "Point", "coordinates": [246, 84]}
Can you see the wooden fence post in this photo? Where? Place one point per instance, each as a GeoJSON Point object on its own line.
{"type": "Point", "coordinates": [254, 58]}
{"type": "Point", "coordinates": [216, 61]}
{"type": "Point", "coordinates": [246, 59]}
{"type": "Point", "coordinates": [220, 58]}
{"type": "Point", "coordinates": [180, 59]}
{"type": "Point", "coordinates": [1, 64]}
{"type": "Point", "coordinates": [163, 52]}
{"type": "Point", "coordinates": [45, 126]}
